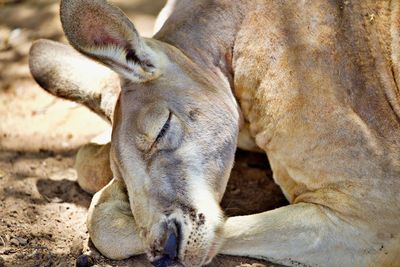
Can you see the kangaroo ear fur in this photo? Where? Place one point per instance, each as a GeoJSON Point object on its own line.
{"type": "Point", "coordinates": [63, 72]}
{"type": "Point", "coordinates": [103, 32]}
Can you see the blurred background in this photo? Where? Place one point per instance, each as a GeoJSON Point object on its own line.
{"type": "Point", "coordinates": [42, 209]}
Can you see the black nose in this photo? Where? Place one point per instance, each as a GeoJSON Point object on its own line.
{"type": "Point", "coordinates": [171, 244]}
{"type": "Point", "coordinates": [171, 247]}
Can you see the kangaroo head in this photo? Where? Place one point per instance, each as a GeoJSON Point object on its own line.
{"type": "Point", "coordinates": [175, 129]}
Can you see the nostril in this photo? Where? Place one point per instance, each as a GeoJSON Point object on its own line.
{"type": "Point", "coordinates": [171, 244]}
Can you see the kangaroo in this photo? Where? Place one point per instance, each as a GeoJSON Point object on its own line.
{"type": "Point", "coordinates": [313, 84]}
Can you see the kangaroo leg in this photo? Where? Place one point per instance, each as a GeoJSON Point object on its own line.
{"type": "Point", "coordinates": [111, 225]}
{"type": "Point", "coordinates": [297, 235]}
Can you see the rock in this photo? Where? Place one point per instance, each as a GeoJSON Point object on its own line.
{"type": "Point", "coordinates": [57, 200]}
{"type": "Point", "coordinates": [14, 241]}
{"type": "Point", "coordinates": [84, 261]}
{"type": "Point", "coordinates": [22, 241]}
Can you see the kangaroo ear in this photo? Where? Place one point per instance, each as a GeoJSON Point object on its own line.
{"type": "Point", "coordinates": [65, 73]}
{"type": "Point", "coordinates": [103, 32]}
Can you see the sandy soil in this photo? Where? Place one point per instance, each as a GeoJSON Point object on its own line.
{"type": "Point", "coordinates": [42, 209]}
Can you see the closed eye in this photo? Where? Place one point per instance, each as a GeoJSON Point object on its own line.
{"type": "Point", "coordinates": [164, 129]}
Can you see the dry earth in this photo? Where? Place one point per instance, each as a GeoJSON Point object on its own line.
{"type": "Point", "coordinates": [42, 209]}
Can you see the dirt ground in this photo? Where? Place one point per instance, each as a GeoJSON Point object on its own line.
{"type": "Point", "coordinates": [42, 209]}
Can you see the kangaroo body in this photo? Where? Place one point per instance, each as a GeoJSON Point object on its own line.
{"type": "Point", "coordinates": [314, 84]}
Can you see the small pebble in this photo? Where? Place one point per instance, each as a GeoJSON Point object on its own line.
{"type": "Point", "coordinates": [22, 241]}
{"type": "Point", "coordinates": [14, 241]}
{"type": "Point", "coordinates": [84, 261]}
